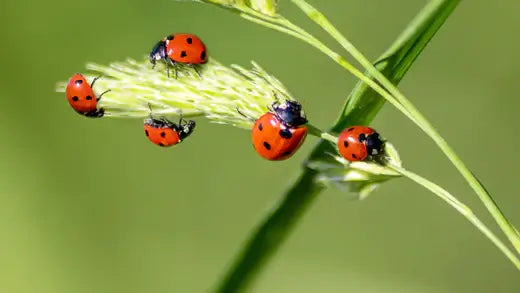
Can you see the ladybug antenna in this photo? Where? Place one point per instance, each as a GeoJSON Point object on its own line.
{"type": "Point", "coordinates": [275, 96]}
{"type": "Point", "coordinates": [276, 102]}
{"type": "Point", "coordinates": [180, 118]}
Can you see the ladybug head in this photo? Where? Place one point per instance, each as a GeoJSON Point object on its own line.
{"type": "Point", "coordinates": [185, 129]}
{"type": "Point", "coordinates": [375, 145]}
{"type": "Point", "coordinates": [158, 52]}
{"type": "Point", "coordinates": [290, 112]}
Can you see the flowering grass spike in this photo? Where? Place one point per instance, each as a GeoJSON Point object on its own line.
{"type": "Point", "coordinates": [215, 94]}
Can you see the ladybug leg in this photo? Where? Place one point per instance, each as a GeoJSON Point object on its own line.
{"type": "Point", "coordinates": [175, 71]}
{"type": "Point", "coordinates": [99, 98]}
{"type": "Point", "coordinates": [164, 120]}
{"type": "Point", "coordinates": [150, 107]}
{"type": "Point", "coordinates": [194, 66]}
{"type": "Point", "coordinates": [180, 118]}
{"type": "Point", "coordinates": [169, 124]}
{"type": "Point", "coordinates": [379, 159]}
{"type": "Point", "coordinates": [170, 62]}
{"type": "Point", "coordinates": [271, 108]}
{"type": "Point", "coordinates": [167, 62]}
{"type": "Point", "coordinates": [95, 113]}
{"type": "Point", "coordinates": [167, 68]}
{"type": "Point", "coordinates": [247, 117]}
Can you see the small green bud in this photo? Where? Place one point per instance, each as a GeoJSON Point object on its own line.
{"type": "Point", "coordinates": [359, 177]}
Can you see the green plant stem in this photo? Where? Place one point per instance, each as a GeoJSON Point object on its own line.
{"type": "Point", "coordinates": [443, 194]}
{"type": "Point", "coordinates": [462, 209]}
{"type": "Point", "coordinates": [270, 233]}
{"type": "Point", "coordinates": [418, 118]}
{"type": "Point", "coordinates": [313, 130]}
{"type": "Point", "coordinates": [360, 108]}
{"type": "Point", "coordinates": [285, 26]}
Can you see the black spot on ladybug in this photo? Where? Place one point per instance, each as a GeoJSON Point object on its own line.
{"type": "Point", "coordinates": [75, 98]}
{"type": "Point", "coordinates": [285, 133]}
{"type": "Point", "coordinates": [267, 145]}
{"type": "Point", "coordinates": [170, 37]}
{"type": "Point", "coordinates": [260, 127]}
{"type": "Point", "coordinates": [354, 156]}
{"type": "Point", "coordinates": [350, 129]}
{"type": "Point", "coordinates": [183, 54]}
{"type": "Point", "coordinates": [203, 55]}
{"type": "Point", "coordinates": [362, 137]}
{"type": "Point", "coordinates": [78, 81]}
{"type": "Point", "coordinates": [163, 134]}
{"type": "Point", "coordinates": [286, 153]}
{"type": "Point", "coordinates": [189, 41]}
{"type": "Point", "coordinates": [88, 98]}
{"type": "Point", "coordinates": [146, 132]}
{"type": "Point", "coordinates": [345, 143]}
{"type": "Point", "coordinates": [161, 144]}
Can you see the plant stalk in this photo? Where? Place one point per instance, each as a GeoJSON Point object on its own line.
{"type": "Point", "coordinates": [415, 115]}
{"type": "Point", "coordinates": [462, 209]}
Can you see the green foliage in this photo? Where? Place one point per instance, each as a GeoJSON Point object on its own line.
{"type": "Point", "coordinates": [89, 205]}
{"type": "Point", "coordinates": [361, 107]}
{"type": "Point", "coordinates": [219, 91]}
{"type": "Point", "coordinates": [364, 103]}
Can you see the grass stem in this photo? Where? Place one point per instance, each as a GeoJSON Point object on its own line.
{"type": "Point", "coordinates": [462, 209]}
{"type": "Point", "coordinates": [395, 97]}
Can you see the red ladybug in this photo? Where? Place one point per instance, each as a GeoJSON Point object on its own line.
{"type": "Point", "coordinates": [163, 132]}
{"type": "Point", "coordinates": [358, 143]}
{"type": "Point", "coordinates": [181, 48]}
{"type": "Point", "coordinates": [277, 135]}
{"type": "Point", "coordinates": [81, 97]}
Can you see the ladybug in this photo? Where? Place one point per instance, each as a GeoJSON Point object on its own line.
{"type": "Point", "coordinates": [358, 143]}
{"type": "Point", "coordinates": [278, 134]}
{"type": "Point", "coordinates": [180, 48]}
{"type": "Point", "coordinates": [81, 97]}
{"type": "Point", "coordinates": [163, 132]}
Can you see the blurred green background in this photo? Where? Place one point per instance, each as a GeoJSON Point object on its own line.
{"type": "Point", "coordinates": [89, 205]}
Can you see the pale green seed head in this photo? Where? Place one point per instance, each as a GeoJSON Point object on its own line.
{"type": "Point", "coordinates": [266, 7]}
{"type": "Point", "coordinates": [359, 177]}
{"type": "Point", "coordinates": [216, 94]}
